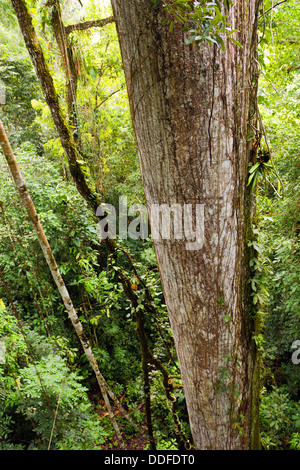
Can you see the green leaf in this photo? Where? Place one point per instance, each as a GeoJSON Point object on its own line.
{"type": "Point", "coordinates": [154, 4]}
{"type": "Point", "coordinates": [253, 180]}
{"type": "Point", "coordinates": [210, 39]}
{"type": "Point", "coordinates": [254, 167]}
{"type": "Point", "coordinates": [235, 42]}
{"type": "Point", "coordinates": [220, 41]}
{"type": "Point", "coordinates": [190, 39]}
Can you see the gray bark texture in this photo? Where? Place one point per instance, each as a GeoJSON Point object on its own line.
{"type": "Point", "coordinates": [191, 106]}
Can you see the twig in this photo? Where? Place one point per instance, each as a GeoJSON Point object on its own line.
{"type": "Point", "coordinates": [54, 420]}
{"type": "Point", "coordinates": [272, 7]}
{"type": "Point", "coordinates": [109, 96]}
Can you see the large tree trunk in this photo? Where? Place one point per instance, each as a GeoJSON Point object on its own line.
{"type": "Point", "coordinates": [190, 108]}
{"type": "Point", "coordinates": [93, 200]}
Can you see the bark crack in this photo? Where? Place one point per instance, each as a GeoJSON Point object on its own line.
{"type": "Point", "coordinates": [212, 106]}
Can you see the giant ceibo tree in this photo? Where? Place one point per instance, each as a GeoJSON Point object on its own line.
{"type": "Point", "coordinates": [193, 105]}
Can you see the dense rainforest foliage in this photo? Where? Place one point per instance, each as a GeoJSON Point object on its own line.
{"type": "Point", "coordinates": [48, 393]}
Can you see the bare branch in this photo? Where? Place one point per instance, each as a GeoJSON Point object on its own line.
{"type": "Point", "coordinates": [272, 7]}
{"type": "Point", "coordinates": [109, 96]}
{"type": "Point", "coordinates": [89, 24]}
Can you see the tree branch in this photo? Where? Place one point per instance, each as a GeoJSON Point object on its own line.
{"type": "Point", "coordinates": [274, 6]}
{"type": "Point", "coordinates": [109, 96]}
{"type": "Point", "coordinates": [89, 24]}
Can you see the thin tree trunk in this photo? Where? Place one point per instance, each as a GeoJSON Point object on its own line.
{"type": "Point", "coordinates": [52, 99]}
{"type": "Point", "coordinates": [190, 107]}
{"type": "Point", "coordinates": [48, 254]}
{"type": "Point", "coordinates": [69, 67]}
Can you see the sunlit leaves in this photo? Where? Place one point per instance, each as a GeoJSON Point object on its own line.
{"type": "Point", "coordinates": [259, 169]}
{"type": "Point", "coordinates": [203, 21]}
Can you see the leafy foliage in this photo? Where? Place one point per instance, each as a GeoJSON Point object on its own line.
{"type": "Point", "coordinates": [279, 223]}
{"type": "Point", "coordinates": [48, 395]}
{"type": "Point", "coordinates": [203, 20]}
{"type": "Point", "coordinates": [280, 419]}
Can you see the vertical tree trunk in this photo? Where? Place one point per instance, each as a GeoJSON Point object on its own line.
{"type": "Point", "coordinates": [69, 67]}
{"type": "Point", "coordinates": [45, 78]}
{"type": "Point", "coordinates": [190, 108]}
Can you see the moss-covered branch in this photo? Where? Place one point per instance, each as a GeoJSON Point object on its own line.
{"type": "Point", "coordinates": [68, 63]}
{"type": "Point", "coordinates": [43, 73]}
{"type": "Point", "coordinates": [89, 24]}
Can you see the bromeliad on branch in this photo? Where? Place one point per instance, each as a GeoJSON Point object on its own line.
{"type": "Point", "coordinates": [203, 21]}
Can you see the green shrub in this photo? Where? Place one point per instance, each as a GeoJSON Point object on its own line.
{"type": "Point", "coordinates": [280, 419]}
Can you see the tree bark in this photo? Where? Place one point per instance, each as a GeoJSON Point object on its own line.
{"type": "Point", "coordinates": [69, 67]}
{"type": "Point", "coordinates": [190, 107]}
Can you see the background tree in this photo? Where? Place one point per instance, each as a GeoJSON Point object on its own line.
{"type": "Point", "coordinates": [279, 227]}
